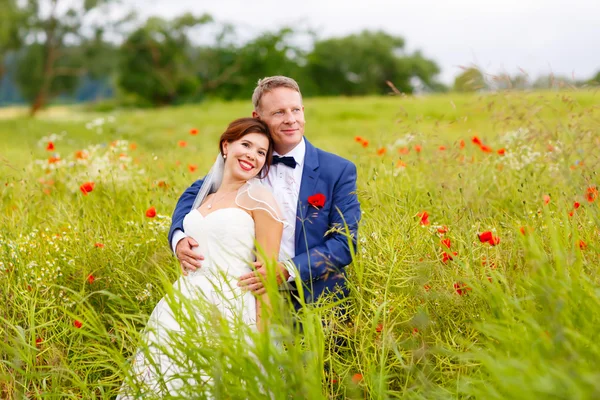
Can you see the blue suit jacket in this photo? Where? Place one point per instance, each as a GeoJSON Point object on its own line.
{"type": "Point", "coordinates": [322, 246]}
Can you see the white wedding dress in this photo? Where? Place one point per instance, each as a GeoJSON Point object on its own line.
{"type": "Point", "coordinates": [226, 240]}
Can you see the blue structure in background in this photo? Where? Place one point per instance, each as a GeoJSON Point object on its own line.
{"type": "Point", "coordinates": [89, 90]}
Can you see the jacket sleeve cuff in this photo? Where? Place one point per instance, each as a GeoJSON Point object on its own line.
{"type": "Point", "coordinates": [291, 268]}
{"type": "Point", "coordinates": [178, 234]}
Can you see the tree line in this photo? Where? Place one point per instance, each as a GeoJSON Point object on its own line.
{"type": "Point", "coordinates": [81, 49]}
{"type": "Point", "coordinates": [473, 79]}
{"type": "Point", "coordinates": [50, 48]}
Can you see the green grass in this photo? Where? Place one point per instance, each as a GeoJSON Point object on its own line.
{"type": "Point", "coordinates": [524, 327]}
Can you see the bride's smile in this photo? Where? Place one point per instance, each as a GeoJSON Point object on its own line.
{"type": "Point", "coordinates": [246, 166]}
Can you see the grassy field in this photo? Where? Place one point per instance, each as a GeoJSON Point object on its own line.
{"type": "Point", "coordinates": [476, 275]}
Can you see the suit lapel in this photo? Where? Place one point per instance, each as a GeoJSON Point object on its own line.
{"type": "Point", "coordinates": [310, 176]}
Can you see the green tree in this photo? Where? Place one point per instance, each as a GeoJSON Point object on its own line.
{"type": "Point", "coordinates": [156, 63]}
{"type": "Point", "coordinates": [363, 64]}
{"type": "Point", "coordinates": [217, 65]}
{"type": "Point", "coordinates": [233, 71]}
{"type": "Point", "coordinates": [59, 33]}
{"type": "Point", "coordinates": [12, 20]}
{"type": "Point", "coordinates": [506, 82]}
{"type": "Point", "coordinates": [552, 81]}
{"type": "Point", "coordinates": [470, 80]}
{"type": "Point", "coordinates": [521, 81]}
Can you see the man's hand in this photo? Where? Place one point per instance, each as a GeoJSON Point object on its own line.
{"type": "Point", "coordinates": [188, 259]}
{"type": "Point", "coordinates": [254, 281]}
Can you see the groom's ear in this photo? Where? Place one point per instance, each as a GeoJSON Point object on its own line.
{"type": "Point", "coordinates": [255, 114]}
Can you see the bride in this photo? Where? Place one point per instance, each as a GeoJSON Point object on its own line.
{"type": "Point", "coordinates": [234, 220]}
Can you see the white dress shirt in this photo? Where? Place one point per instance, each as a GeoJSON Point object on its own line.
{"type": "Point", "coordinates": [284, 182]}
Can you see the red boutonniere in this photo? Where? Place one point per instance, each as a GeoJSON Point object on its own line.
{"type": "Point", "coordinates": [317, 200]}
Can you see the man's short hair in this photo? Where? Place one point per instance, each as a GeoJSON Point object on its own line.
{"type": "Point", "coordinates": [265, 85]}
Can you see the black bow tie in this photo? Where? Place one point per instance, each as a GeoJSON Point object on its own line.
{"type": "Point", "coordinates": [289, 161]}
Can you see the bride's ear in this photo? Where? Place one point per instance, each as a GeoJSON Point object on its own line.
{"type": "Point", "coordinates": [224, 149]}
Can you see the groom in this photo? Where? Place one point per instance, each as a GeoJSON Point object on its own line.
{"type": "Point", "coordinates": [316, 191]}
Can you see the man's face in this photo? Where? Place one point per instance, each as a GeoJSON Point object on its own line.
{"type": "Point", "coordinates": [282, 110]}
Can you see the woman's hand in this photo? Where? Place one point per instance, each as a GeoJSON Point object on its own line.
{"type": "Point", "coordinates": [255, 281]}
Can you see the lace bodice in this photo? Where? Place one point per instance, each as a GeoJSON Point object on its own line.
{"type": "Point", "coordinates": [225, 238]}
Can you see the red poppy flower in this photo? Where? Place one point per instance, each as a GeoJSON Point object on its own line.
{"type": "Point", "coordinates": [192, 167]}
{"type": "Point", "coordinates": [476, 140]}
{"type": "Point", "coordinates": [379, 328]}
{"type": "Point", "coordinates": [571, 213]}
{"type": "Point", "coordinates": [52, 160]}
{"type": "Point", "coordinates": [381, 151]}
{"type": "Point", "coordinates": [461, 288]}
{"type": "Point", "coordinates": [38, 342]}
{"type": "Point", "coordinates": [81, 155]}
{"type": "Point", "coordinates": [162, 184]}
{"type": "Point", "coordinates": [427, 288]}
{"type": "Point", "coordinates": [488, 237]}
{"type": "Point", "coordinates": [486, 149]}
{"type": "Point", "coordinates": [182, 143]}
{"type": "Point", "coordinates": [133, 146]}
{"type": "Point", "coordinates": [576, 205]}
{"type": "Point", "coordinates": [485, 237]}
{"type": "Point", "coordinates": [446, 257]}
{"type": "Point", "coordinates": [446, 242]}
{"type": "Point", "coordinates": [546, 199]}
{"type": "Point", "coordinates": [358, 139]}
{"type": "Point", "coordinates": [357, 378]}
{"type": "Point", "coordinates": [317, 200]}
{"type": "Point", "coordinates": [415, 332]}
{"type": "Point", "coordinates": [91, 279]}
{"type": "Point", "coordinates": [400, 164]}
{"type": "Point", "coordinates": [99, 245]}
{"type": "Point", "coordinates": [87, 187]}
{"type": "Point", "coordinates": [403, 150]}
{"type": "Point", "coordinates": [582, 245]}
{"type": "Point", "coordinates": [151, 212]}
{"type": "Point", "coordinates": [50, 146]}
{"type": "Point", "coordinates": [522, 230]}
{"type": "Point", "coordinates": [501, 151]}
{"type": "Point", "coordinates": [418, 148]}
{"type": "Point", "coordinates": [77, 323]}
{"type": "Point", "coordinates": [193, 131]}
{"type": "Point", "coordinates": [462, 144]}
{"type": "Point", "coordinates": [591, 194]}
{"type": "Point", "coordinates": [424, 218]}
{"type": "Point", "coordinates": [365, 143]}
{"type": "Point", "coordinates": [442, 229]}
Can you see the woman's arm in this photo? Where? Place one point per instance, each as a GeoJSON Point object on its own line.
{"type": "Point", "coordinates": [268, 232]}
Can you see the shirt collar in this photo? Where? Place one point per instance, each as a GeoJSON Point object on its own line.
{"type": "Point", "coordinates": [297, 152]}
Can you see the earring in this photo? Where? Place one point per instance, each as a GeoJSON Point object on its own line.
{"type": "Point", "coordinates": [224, 156]}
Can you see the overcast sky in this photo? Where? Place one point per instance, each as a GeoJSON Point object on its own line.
{"type": "Point", "coordinates": [539, 36]}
